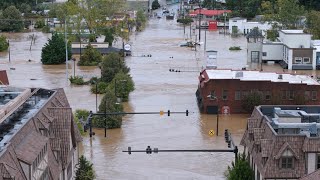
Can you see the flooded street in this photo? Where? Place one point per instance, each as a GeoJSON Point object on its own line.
{"type": "Point", "coordinates": [155, 89]}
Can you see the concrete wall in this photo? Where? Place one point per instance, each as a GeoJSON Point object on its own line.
{"type": "Point", "coordinates": [295, 40]}
{"type": "Point", "coordinates": [238, 24]}
{"type": "Point", "coordinates": [311, 162]}
{"type": "Point", "coordinates": [254, 47]}
{"type": "Point", "coordinates": [274, 51]}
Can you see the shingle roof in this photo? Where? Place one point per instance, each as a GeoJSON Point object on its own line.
{"type": "Point", "coordinates": [30, 147]}
{"type": "Point", "coordinates": [313, 176]}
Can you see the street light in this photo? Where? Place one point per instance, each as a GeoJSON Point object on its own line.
{"type": "Point", "coordinates": [213, 97]}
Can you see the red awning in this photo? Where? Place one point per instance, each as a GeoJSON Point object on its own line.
{"type": "Point", "coordinates": [207, 12]}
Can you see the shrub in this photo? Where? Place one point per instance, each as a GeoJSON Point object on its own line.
{"type": "Point", "coordinates": [77, 80]}
{"type": "Point", "coordinates": [3, 43]}
{"type": "Point", "coordinates": [235, 48]}
{"type": "Point", "coordinates": [240, 170]}
{"type": "Point", "coordinates": [90, 57]}
{"type": "Point", "coordinates": [251, 100]}
{"type": "Point", "coordinates": [84, 169]}
{"type": "Point", "coordinates": [39, 24]}
{"type": "Point", "coordinates": [102, 88]}
{"type": "Point", "coordinates": [45, 29]}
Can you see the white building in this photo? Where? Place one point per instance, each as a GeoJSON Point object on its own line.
{"type": "Point", "coordinates": [293, 50]}
{"type": "Point", "coordinates": [240, 25]}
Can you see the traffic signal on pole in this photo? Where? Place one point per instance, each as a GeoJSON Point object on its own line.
{"type": "Point", "coordinates": [168, 112]}
{"type": "Point", "coordinates": [161, 113]}
{"type": "Point", "coordinates": [187, 112]}
{"type": "Point", "coordinates": [229, 144]}
{"type": "Point", "coordinates": [226, 136]}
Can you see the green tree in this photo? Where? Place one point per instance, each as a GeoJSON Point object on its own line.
{"type": "Point", "coordinates": [25, 8]}
{"type": "Point", "coordinates": [155, 5]}
{"type": "Point", "coordinates": [251, 100]}
{"type": "Point", "coordinates": [3, 43]}
{"type": "Point", "coordinates": [141, 20]}
{"type": "Point", "coordinates": [240, 170]}
{"type": "Point", "coordinates": [109, 104]}
{"type": "Point", "coordinates": [109, 34]}
{"type": "Point", "coordinates": [122, 84]}
{"type": "Point", "coordinates": [84, 169]}
{"type": "Point", "coordinates": [90, 57]}
{"type": "Point", "coordinates": [111, 65]}
{"type": "Point", "coordinates": [285, 14]}
{"type": "Point", "coordinates": [54, 52]}
{"type": "Point", "coordinates": [313, 24]}
{"type": "Point", "coordinates": [12, 20]}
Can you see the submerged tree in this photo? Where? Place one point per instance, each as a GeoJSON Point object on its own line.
{"type": "Point", "coordinates": [84, 169]}
{"type": "Point", "coordinates": [54, 52]}
{"type": "Point", "coordinates": [3, 43]}
{"type": "Point", "coordinates": [90, 57]}
{"type": "Point", "coordinates": [240, 170]}
{"type": "Point", "coordinates": [11, 20]}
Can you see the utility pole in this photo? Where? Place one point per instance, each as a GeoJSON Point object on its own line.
{"type": "Point", "coordinates": [9, 51]}
{"type": "Point", "coordinates": [199, 20]}
{"type": "Point", "coordinates": [65, 36]}
{"type": "Point", "coordinates": [205, 40]}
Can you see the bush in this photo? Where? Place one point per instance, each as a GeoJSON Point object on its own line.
{"type": "Point", "coordinates": [102, 88]}
{"type": "Point", "coordinates": [235, 48]}
{"type": "Point", "coordinates": [84, 170]}
{"type": "Point", "coordinates": [90, 57]}
{"type": "Point", "coordinates": [240, 170]}
{"type": "Point", "coordinates": [39, 24]}
{"type": "Point", "coordinates": [77, 80]}
{"type": "Point", "coordinates": [3, 43]}
{"type": "Point", "coordinates": [124, 85]}
{"type": "Point", "coordinates": [45, 29]}
{"type": "Point", "coordinates": [251, 100]}
{"type": "Point", "coordinates": [111, 65]}
{"type": "Point", "coordinates": [155, 5]}
{"type": "Point", "coordinates": [79, 124]}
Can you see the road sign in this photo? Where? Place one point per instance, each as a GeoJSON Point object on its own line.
{"type": "Point", "coordinates": [225, 110]}
{"type": "Point", "coordinates": [211, 132]}
{"type": "Point", "coordinates": [161, 113]}
{"type": "Point", "coordinates": [127, 47]}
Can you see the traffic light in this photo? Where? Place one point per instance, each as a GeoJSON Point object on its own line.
{"type": "Point", "coordinates": [187, 112]}
{"type": "Point", "coordinates": [229, 144]}
{"type": "Point", "coordinates": [168, 112]}
{"type": "Point", "coordinates": [148, 150]}
{"type": "Point", "coordinates": [226, 136]}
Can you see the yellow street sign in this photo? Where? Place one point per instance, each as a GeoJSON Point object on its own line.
{"type": "Point", "coordinates": [161, 113]}
{"type": "Point", "coordinates": [211, 132]}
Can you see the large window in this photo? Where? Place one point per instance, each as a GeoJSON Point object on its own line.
{"type": "Point", "coordinates": [298, 60]}
{"type": "Point", "coordinates": [237, 95]}
{"type": "Point", "coordinates": [318, 161]}
{"type": "Point", "coordinates": [314, 95]}
{"type": "Point", "coordinates": [306, 60]}
{"type": "Point", "coordinates": [307, 95]}
{"type": "Point", "coordinates": [286, 161]}
{"type": "Point", "coordinates": [225, 94]}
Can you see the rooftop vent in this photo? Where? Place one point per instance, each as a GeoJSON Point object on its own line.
{"type": "Point", "coordinates": [239, 74]}
{"type": "Point", "coordinates": [280, 76]}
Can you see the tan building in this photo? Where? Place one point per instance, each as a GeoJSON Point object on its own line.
{"type": "Point", "coordinates": [282, 142]}
{"type": "Point", "coordinates": [38, 136]}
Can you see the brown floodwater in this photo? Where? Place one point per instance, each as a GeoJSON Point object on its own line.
{"type": "Point", "coordinates": [155, 89]}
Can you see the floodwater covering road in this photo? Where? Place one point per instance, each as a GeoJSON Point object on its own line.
{"type": "Point", "coordinates": [156, 89]}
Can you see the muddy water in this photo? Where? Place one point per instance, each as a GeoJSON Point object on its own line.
{"type": "Point", "coordinates": [156, 89]}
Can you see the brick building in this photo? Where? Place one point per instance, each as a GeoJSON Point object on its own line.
{"type": "Point", "coordinates": [38, 136]}
{"type": "Point", "coordinates": [282, 142]}
{"type": "Point", "coordinates": [227, 89]}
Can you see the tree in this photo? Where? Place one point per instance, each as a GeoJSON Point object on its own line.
{"type": "Point", "coordinates": [3, 43]}
{"type": "Point", "coordinates": [108, 104]}
{"type": "Point", "coordinates": [84, 169]}
{"type": "Point", "coordinates": [251, 100]}
{"type": "Point", "coordinates": [25, 8]}
{"type": "Point", "coordinates": [54, 52]}
{"type": "Point", "coordinates": [155, 5]}
{"type": "Point", "coordinates": [111, 65]}
{"type": "Point", "coordinates": [12, 20]}
{"type": "Point", "coordinates": [140, 20]}
{"type": "Point", "coordinates": [285, 14]}
{"type": "Point", "coordinates": [90, 57]}
{"type": "Point", "coordinates": [240, 170]}
{"type": "Point", "coordinates": [123, 86]}
{"type": "Point", "coordinates": [313, 24]}
{"type": "Point", "coordinates": [109, 34]}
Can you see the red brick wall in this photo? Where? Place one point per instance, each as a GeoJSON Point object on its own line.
{"type": "Point", "coordinates": [233, 85]}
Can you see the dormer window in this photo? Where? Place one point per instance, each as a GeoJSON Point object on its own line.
{"type": "Point", "coordinates": [286, 161]}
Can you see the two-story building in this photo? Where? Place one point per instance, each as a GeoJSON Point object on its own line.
{"type": "Point", "coordinates": [282, 142]}
{"type": "Point", "coordinates": [228, 89]}
{"type": "Point", "coordinates": [238, 25]}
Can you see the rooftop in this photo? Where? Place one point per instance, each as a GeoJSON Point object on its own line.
{"type": "Point", "coordinates": [293, 31]}
{"type": "Point", "coordinates": [244, 75]}
{"type": "Point", "coordinates": [293, 120]}
{"type": "Point", "coordinates": [18, 106]}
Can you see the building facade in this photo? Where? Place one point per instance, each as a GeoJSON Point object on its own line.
{"type": "Point", "coordinates": [293, 50]}
{"type": "Point", "coordinates": [238, 25]}
{"type": "Point", "coordinates": [282, 142]}
{"type": "Point", "coordinates": [38, 136]}
{"type": "Point", "coordinates": [227, 89]}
